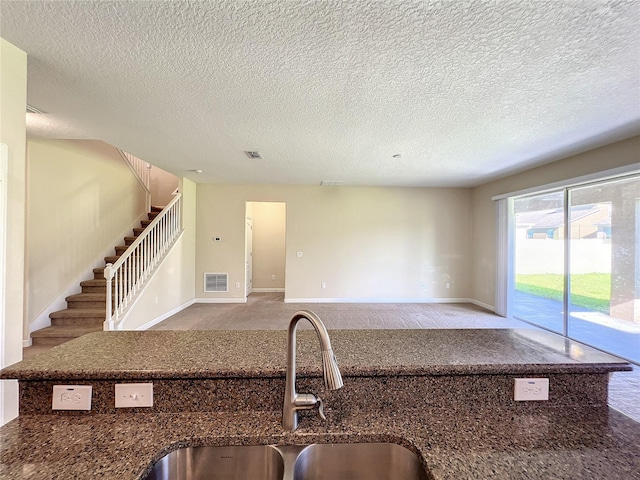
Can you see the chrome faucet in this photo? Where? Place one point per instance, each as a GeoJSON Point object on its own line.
{"type": "Point", "coordinates": [332, 379]}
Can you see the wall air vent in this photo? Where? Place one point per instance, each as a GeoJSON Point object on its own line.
{"type": "Point", "coordinates": [252, 154]}
{"type": "Point", "coordinates": [216, 282]}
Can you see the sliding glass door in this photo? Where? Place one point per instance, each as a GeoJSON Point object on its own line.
{"type": "Point", "coordinates": [576, 256]}
{"type": "Point", "coordinates": [539, 260]}
{"type": "Point", "coordinates": [604, 267]}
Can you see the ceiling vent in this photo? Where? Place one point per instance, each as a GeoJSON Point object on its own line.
{"type": "Point", "coordinates": [331, 183]}
{"type": "Point", "coordinates": [252, 154]}
{"type": "Point", "coordinates": [216, 282]}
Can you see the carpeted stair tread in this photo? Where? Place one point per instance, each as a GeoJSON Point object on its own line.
{"type": "Point", "coordinates": [66, 331]}
{"type": "Point", "coordinates": [97, 285]}
{"type": "Point", "coordinates": [78, 316]}
{"type": "Point", "coordinates": [129, 240]}
{"type": "Point", "coordinates": [98, 273]}
{"type": "Point", "coordinates": [33, 350]}
{"type": "Point", "coordinates": [78, 313]}
{"type": "Point", "coordinates": [96, 282]}
{"type": "Point", "coordinates": [87, 297]}
{"type": "Point", "coordinates": [111, 259]}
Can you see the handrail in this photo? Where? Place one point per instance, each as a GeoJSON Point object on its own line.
{"type": "Point", "coordinates": [128, 274]}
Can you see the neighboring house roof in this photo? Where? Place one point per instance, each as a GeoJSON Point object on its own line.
{"type": "Point", "coordinates": [541, 218]}
{"type": "Point", "coordinates": [554, 218]}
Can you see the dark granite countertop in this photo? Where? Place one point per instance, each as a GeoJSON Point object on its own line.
{"type": "Point", "coordinates": [480, 443]}
{"type": "Point", "coordinates": [465, 440]}
{"type": "Point", "coordinates": [223, 354]}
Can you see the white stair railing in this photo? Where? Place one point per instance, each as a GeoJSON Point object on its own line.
{"type": "Point", "coordinates": [129, 273]}
{"type": "Point", "coordinates": [142, 171]}
{"type": "Point", "coordinates": [140, 167]}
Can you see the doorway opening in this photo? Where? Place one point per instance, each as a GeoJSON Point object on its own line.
{"type": "Point", "coordinates": [265, 247]}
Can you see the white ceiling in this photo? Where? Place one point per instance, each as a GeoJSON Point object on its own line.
{"type": "Point", "coordinates": [467, 90]}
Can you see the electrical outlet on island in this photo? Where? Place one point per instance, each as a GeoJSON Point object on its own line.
{"type": "Point", "coordinates": [527, 389]}
{"type": "Point", "coordinates": [71, 397]}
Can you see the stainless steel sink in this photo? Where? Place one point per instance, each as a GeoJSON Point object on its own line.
{"type": "Point", "coordinates": [358, 461]}
{"type": "Point", "coordinates": [260, 462]}
{"type": "Point", "coordinates": [333, 461]}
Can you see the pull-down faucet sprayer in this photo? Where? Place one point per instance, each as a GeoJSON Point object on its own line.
{"type": "Point", "coordinates": [332, 379]}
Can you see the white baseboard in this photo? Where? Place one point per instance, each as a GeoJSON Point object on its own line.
{"type": "Point", "coordinates": [221, 300]}
{"type": "Point", "coordinates": [27, 343]}
{"type": "Point", "coordinates": [377, 300]}
{"type": "Point", "coordinates": [268, 290]}
{"type": "Point", "coordinates": [164, 316]}
{"type": "Point", "coordinates": [486, 306]}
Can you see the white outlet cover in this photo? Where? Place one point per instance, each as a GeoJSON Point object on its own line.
{"type": "Point", "coordinates": [129, 395]}
{"type": "Point", "coordinates": [527, 389]}
{"type": "Point", "coordinates": [71, 397]}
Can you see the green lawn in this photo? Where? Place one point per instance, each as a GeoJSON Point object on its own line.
{"type": "Point", "coordinates": [589, 290]}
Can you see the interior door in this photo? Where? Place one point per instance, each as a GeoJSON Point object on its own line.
{"type": "Point", "coordinates": [249, 257]}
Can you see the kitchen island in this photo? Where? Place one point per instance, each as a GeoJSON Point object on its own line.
{"type": "Point", "coordinates": [445, 394]}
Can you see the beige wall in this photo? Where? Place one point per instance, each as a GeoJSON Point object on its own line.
{"type": "Point", "coordinates": [483, 219]}
{"type": "Point", "coordinates": [269, 229]}
{"type": "Point", "coordinates": [162, 185]}
{"type": "Point", "coordinates": [13, 100]}
{"type": "Point", "coordinates": [172, 286]}
{"type": "Point", "coordinates": [365, 243]}
{"type": "Point", "coordinates": [83, 199]}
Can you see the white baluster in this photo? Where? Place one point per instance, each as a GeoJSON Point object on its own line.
{"type": "Point", "coordinates": [127, 276]}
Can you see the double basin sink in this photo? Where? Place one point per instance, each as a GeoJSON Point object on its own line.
{"type": "Point", "coordinates": [332, 461]}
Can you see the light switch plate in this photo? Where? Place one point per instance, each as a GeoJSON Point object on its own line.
{"type": "Point", "coordinates": [130, 395]}
{"type": "Point", "coordinates": [71, 397]}
{"type": "Point", "coordinates": [531, 389]}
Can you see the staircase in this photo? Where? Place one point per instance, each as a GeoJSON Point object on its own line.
{"type": "Point", "coordinates": [86, 311]}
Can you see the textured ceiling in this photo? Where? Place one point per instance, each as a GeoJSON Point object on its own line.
{"type": "Point", "coordinates": [330, 90]}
